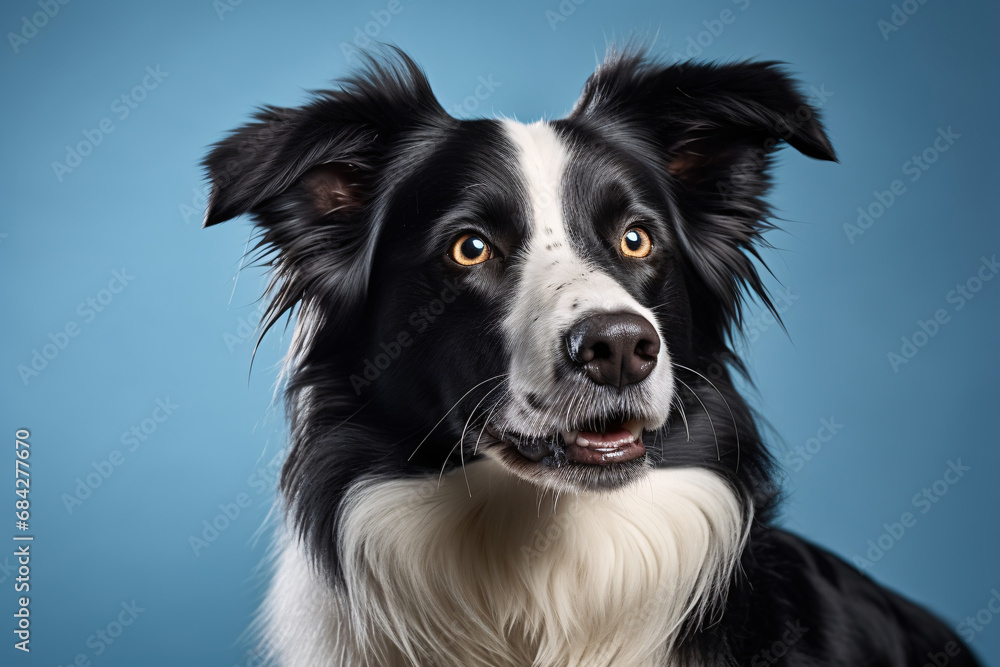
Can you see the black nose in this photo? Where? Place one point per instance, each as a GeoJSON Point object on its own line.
{"type": "Point", "coordinates": [614, 348]}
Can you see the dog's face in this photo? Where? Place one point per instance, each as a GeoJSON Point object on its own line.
{"type": "Point", "coordinates": [526, 292]}
{"type": "Point", "coordinates": [588, 360]}
{"type": "Point", "coordinates": [553, 251]}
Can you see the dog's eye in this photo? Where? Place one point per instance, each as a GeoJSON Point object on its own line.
{"type": "Point", "coordinates": [470, 249]}
{"type": "Point", "coordinates": [636, 243]}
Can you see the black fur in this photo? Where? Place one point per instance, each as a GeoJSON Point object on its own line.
{"type": "Point", "coordinates": [357, 195]}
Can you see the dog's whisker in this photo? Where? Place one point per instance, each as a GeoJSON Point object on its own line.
{"type": "Point", "coordinates": [680, 409]}
{"type": "Point", "coordinates": [718, 452]}
{"type": "Point", "coordinates": [433, 428]}
{"type": "Point", "coordinates": [445, 465]}
{"type": "Point", "coordinates": [461, 439]}
{"type": "Point", "coordinates": [736, 428]}
{"type": "Point", "coordinates": [486, 423]}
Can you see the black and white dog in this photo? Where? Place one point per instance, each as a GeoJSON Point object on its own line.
{"type": "Point", "coordinates": [515, 439]}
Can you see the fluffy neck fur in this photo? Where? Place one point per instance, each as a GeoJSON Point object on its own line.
{"type": "Point", "coordinates": [501, 575]}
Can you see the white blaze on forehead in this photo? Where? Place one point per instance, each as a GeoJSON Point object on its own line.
{"type": "Point", "coordinates": [557, 286]}
{"type": "Point", "coordinates": [542, 158]}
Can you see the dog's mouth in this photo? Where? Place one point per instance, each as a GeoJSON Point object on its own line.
{"type": "Point", "coordinates": [602, 453]}
{"type": "Point", "coordinates": [602, 444]}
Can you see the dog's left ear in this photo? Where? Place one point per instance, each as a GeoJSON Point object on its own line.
{"type": "Point", "coordinates": [703, 114]}
{"type": "Point", "coordinates": [711, 130]}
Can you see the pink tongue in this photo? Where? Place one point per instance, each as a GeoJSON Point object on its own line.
{"type": "Point", "coordinates": [615, 435]}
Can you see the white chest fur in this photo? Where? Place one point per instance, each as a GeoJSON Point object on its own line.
{"type": "Point", "coordinates": [507, 577]}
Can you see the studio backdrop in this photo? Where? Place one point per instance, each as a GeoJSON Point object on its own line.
{"type": "Point", "coordinates": [152, 447]}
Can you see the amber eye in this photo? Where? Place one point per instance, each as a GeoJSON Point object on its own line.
{"type": "Point", "coordinates": [470, 249]}
{"type": "Point", "coordinates": [636, 243]}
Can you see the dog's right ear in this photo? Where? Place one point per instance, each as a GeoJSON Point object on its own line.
{"type": "Point", "coordinates": [309, 175]}
{"type": "Point", "coordinates": [316, 151]}
{"type": "Point", "coordinates": [327, 147]}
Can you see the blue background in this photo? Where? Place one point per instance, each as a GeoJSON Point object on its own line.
{"type": "Point", "coordinates": [178, 331]}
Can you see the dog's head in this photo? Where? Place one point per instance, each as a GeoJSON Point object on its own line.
{"type": "Point", "coordinates": [526, 292]}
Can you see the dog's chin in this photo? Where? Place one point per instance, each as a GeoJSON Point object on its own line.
{"type": "Point", "coordinates": [599, 458]}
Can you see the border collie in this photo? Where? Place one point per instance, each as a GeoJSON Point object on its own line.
{"type": "Point", "coordinates": [515, 437]}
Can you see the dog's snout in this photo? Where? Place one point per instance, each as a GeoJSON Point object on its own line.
{"type": "Point", "coordinates": [615, 349]}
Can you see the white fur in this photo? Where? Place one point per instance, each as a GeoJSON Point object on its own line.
{"type": "Point", "coordinates": [506, 577]}
{"type": "Point", "coordinates": [541, 314]}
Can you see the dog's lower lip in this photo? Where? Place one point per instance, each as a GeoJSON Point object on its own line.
{"type": "Point", "coordinates": [606, 456]}
{"type": "Point", "coordinates": [615, 445]}
{"type": "Point", "coordinates": [611, 438]}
